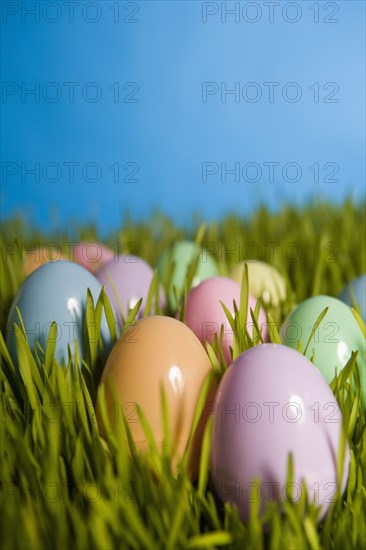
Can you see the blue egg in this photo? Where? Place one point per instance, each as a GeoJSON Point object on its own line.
{"type": "Point", "coordinates": [56, 291]}
{"type": "Point", "coordinates": [354, 295]}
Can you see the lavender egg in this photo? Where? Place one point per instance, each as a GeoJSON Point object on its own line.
{"type": "Point", "coordinates": [127, 279]}
{"type": "Point", "coordinates": [271, 402]}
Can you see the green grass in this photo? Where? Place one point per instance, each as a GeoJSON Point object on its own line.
{"type": "Point", "coordinates": [64, 486]}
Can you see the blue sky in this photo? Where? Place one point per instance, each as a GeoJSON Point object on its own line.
{"type": "Point", "coordinates": [130, 111]}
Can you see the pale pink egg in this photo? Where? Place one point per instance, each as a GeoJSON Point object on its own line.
{"type": "Point", "coordinates": [205, 314]}
{"type": "Point", "coordinates": [91, 255]}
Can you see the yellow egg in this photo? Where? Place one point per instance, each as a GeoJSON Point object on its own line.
{"type": "Point", "coordinates": [157, 352]}
{"type": "Point", "coordinates": [264, 281]}
{"type": "Point", "coordinates": [40, 256]}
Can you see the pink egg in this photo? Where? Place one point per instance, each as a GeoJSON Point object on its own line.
{"type": "Point", "coordinates": [91, 255]}
{"type": "Point", "coordinates": [205, 314]}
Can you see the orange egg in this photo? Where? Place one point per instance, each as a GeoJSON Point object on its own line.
{"type": "Point", "coordinates": [40, 256]}
{"type": "Point", "coordinates": [157, 352]}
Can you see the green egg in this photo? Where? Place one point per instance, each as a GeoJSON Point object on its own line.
{"type": "Point", "coordinates": [174, 263]}
{"type": "Point", "coordinates": [336, 337]}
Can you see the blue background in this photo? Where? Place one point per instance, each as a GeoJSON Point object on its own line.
{"type": "Point", "coordinates": [169, 52]}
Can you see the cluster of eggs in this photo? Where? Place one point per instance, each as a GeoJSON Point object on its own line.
{"type": "Point", "coordinates": [271, 401]}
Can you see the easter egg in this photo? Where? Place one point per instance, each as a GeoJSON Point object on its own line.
{"type": "Point", "coordinates": [178, 258]}
{"type": "Point", "coordinates": [157, 352]}
{"type": "Point", "coordinates": [205, 314]}
{"type": "Point", "coordinates": [264, 281]}
{"type": "Point", "coordinates": [127, 279]}
{"type": "Point", "coordinates": [355, 295]}
{"type": "Point", "coordinates": [271, 402]}
{"type": "Point", "coordinates": [40, 256]}
{"type": "Point", "coordinates": [56, 291]}
{"type": "Point", "coordinates": [336, 337]}
{"type": "Point", "coordinates": [91, 255]}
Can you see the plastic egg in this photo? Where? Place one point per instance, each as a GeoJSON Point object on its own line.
{"type": "Point", "coordinates": [40, 256]}
{"type": "Point", "coordinates": [91, 255]}
{"type": "Point", "coordinates": [180, 256]}
{"type": "Point", "coordinates": [272, 402]}
{"type": "Point", "coordinates": [56, 291]}
{"type": "Point", "coordinates": [264, 281]}
{"type": "Point", "coordinates": [205, 314]}
{"type": "Point", "coordinates": [157, 352]}
{"type": "Point", "coordinates": [336, 337]}
{"type": "Point", "coordinates": [354, 295]}
{"type": "Point", "coordinates": [127, 279]}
